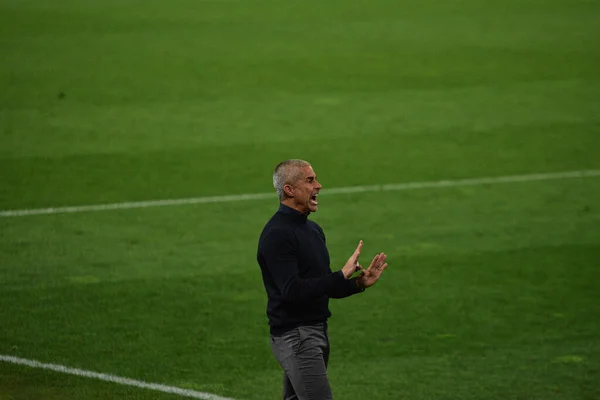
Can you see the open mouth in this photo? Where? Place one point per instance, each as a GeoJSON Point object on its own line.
{"type": "Point", "coordinates": [313, 199]}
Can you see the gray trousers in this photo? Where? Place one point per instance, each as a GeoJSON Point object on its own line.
{"type": "Point", "coordinates": [303, 353]}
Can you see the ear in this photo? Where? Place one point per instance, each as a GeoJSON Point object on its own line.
{"type": "Point", "coordinates": [288, 190]}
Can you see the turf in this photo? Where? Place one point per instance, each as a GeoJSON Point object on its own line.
{"type": "Point", "coordinates": [492, 290]}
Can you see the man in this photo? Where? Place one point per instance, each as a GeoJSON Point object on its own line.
{"type": "Point", "coordinates": [294, 262]}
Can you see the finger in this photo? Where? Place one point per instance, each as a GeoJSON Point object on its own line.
{"type": "Point", "coordinates": [375, 261]}
{"type": "Point", "coordinates": [357, 252]}
{"type": "Point", "coordinates": [359, 248]}
{"type": "Point", "coordinates": [353, 259]}
{"type": "Point", "coordinates": [358, 267]}
{"type": "Point", "coordinates": [382, 258]}
{"type": "Point", "coordinates": [379, 272]}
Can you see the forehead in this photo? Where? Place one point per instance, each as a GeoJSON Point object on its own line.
{"type": "Point", "coordinates": [307, 172]}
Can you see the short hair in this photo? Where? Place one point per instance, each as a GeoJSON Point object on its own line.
{"type": "Point", "coordinates": [287, 172]}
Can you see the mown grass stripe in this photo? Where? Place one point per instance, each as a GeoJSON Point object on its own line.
{"type": "Point", "coordinates": [113, 378]}
{"type": "Point", "coordinates": [341, 190]}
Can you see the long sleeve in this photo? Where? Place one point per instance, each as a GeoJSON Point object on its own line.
{"type": "Point", "coordinates": [281, 259]}
{"type": "Point", "coordinates": [348, 289]}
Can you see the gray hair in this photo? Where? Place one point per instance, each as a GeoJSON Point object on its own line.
{"type": "Point", "coordinates": [287, 173]}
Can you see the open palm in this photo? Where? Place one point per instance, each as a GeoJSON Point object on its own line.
{"type": "Point", "coordinates": [369, 276]}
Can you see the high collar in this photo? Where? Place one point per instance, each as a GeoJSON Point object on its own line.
{"type": "Point", "coordinates": [297, 215]}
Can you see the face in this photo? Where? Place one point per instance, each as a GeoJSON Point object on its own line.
{"type": "Point", "coordinates": [305, 191]}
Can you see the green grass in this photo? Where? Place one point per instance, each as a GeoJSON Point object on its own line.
{"type": "Point", "coordinates": [492, 290]}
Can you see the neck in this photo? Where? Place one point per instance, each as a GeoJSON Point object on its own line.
{"type": "Point", "coordinates": [292, 204]}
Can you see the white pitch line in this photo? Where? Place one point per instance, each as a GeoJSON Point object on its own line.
{"type": "Point", "coordinates": [112, 378]}
{"type": "Point", "coordinates": [341, 190]}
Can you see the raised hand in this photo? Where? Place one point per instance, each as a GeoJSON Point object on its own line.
{"type": "Point", "coordinates": [369, 276]}
{"type": "Point", "coordinates": [351, 265]}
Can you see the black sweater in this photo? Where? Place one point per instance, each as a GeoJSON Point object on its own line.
{"type": "Point", "coordinates": [294, 262]}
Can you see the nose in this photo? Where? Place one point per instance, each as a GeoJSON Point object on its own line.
{"type": "Point", "coordinates": [318, 185]}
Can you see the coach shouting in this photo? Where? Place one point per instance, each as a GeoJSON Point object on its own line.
{"type": "Point", "coordinates": [294, 262]}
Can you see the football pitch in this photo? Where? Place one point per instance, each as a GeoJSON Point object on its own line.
{"type": "Point", "coordinates": [481, 117]}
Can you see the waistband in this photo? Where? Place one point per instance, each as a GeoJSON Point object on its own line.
{"type": "Point", "coordinates": [278, 331]}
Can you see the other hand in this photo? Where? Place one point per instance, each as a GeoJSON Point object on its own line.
{"type": "Point", "coordinates": [369, 276]}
